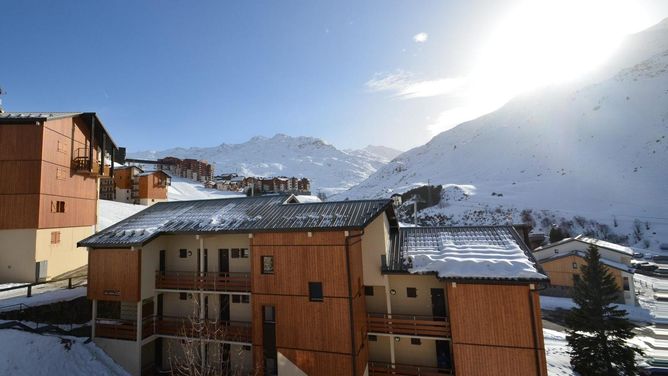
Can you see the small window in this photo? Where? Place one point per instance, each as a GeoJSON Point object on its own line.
{"type": "Point", "coordinates": [245, 299]}
{"type": "Point", "coordinates": [373, 338]}
{"type": "Point", "coordinates": [183, 296]}
{"type": "Point", "coordinates": [411, 292]}
{"type": "Point", "coordinates": [60, 174]}
{"type": "Point", "coordinates": [55, 237]}
{"type": "Point", "coordinates": [62, 146]}
{"type": "Point", "coordinates": [315, 291]}
{"type": "Point", "coordinates": [627, 286]}
{"type": "Point", "coordinates": [416, 341]}
{"type": "Point", "coordinates": [236, 298]}
{"type": "Point", "coordinates": [556, 251]}
{"type": "Point", "coordinates": [575, 265]}
{"type": "Point", "coordinates": [235, 252]}
{"type": "Point", "coordinates": [368, 290]}
{"type": "Point", "coordinates": [269, 313]}
{"type": "Point", "coordinates": [183, 253]}
{"type": "Point", "coordinates": [58, 206]}
{"type": "Point", "coordinates": [245, 253]}
{"type": "Point", "coordinates": [267, 264]}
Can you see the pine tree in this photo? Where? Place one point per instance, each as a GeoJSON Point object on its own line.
{"type": "Point", "coordinates": [556, 234]}
{"type": "Point", "coordinates": [598, 329]}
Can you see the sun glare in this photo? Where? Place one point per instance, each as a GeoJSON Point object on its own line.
{"type": "Point", "coordinates": [545, 42]}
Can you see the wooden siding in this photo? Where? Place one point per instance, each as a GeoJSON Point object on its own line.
{"type": "Point", "coordinates": [123, 178]}
{"type": "Point", "coordinates": [561, 271]}
{"type": "Point", "coordinates": [316, 336]}
{"type": "Point", "coordinates": [78, 212]}
{"type": "Point", "coordinates": [20, 142]}
{"type": "Point", "coordinates": [19, 177]}
{"type": "Point", "coordinates": [504, 321]}
{"type": "Point", "coordinates": [150, 187]}
{"type": "Point", "coordinates": [114, 274]}
{"type": "Point", "coordinates": [19, 211]}
{"type": "Point", "coordinates": [471, 360]}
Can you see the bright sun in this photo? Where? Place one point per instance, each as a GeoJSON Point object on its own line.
{"type": "Point", "coordinates": [550, 41]}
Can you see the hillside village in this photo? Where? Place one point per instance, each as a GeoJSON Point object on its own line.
{"type": "Point", "coordinates": [288, 256]}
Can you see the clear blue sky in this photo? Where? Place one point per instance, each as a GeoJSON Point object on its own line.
{"type": "Point", "coordinates": [200, 73]}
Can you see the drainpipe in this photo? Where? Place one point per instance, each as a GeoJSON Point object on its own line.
{"type": "Point", "coordinates": [539, 371]}
{"type": "Point", "coordinates": [350, 301]}
{"type": "Point", "coordinates": [388, 303]}
{"type": "Point", "coordinates": [202, 346]}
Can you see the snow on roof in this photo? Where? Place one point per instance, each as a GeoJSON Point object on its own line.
{"type": "Point", "coordinates": [302, 199]}
{"type": "Point", "coordinates": [482, 252]}
{"type": "Point", "coordinates": [597, 242]}
{"type": "Point", "coordinates": [612, 264]}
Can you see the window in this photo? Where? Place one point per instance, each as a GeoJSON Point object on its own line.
{"type": "Point", "coordinates": [183, 253]}
{"type": "Point", "coordinates": [60, 174]}
{"type": "Point", "coordinates": [62, 147]}
{"type": "Point", "coordinates": [627, 287]}
{"type": "Point", "coordinates": [245, 253]}
{"type": "Point", "coordinates": [269, 314]}
{"type": "Point", "coordinates": [236, 298]}
{"type": "Point", "coordinates": [235, 252]}
{"type": "Point", "coordinates": [575, 265]}
{"type": "Point", "coordinates": [373, 338]}
{"type": "Point", "coordinates": [183, 296]}
{"type": "Point", "coordinates": [55, 237]}
{"type": "Point", "coordinates": [416, 341]}
{"type": "Point", "coordinates": [58, 206]}
{"type": "Point", "coordinates": [368, 290]}
{"type": "Point", "coordinates": [245, 299]}
{"type": "Point", "coordinates": [267, 264]}
{"type": "Point", "coordinates": [315, 291]}
{"type": "Point", "coordinates": [411, 292]}
{"type": "Point", "coordinates": [556, 251]}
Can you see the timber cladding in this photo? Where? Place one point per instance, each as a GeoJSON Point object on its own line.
{"type": "Point", "coordinates": [561, 271]}
{"type": "Point", "coordinates": [114, 274]}
{"type": "Point", "coordinates": [501, 321]}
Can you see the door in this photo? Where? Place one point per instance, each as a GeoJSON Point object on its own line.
{"type": "Point", "coordinates": [443, 356]}
{"type": "Point", "coordinates": [160, 305]}
{"type": "Point", "coordinates": [163, 261]}
{"type": "Point", "coordinates": [438, 309]}
{"type": "Point", "coordinates": [224, 260]}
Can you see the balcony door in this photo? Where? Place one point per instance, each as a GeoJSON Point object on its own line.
{"type": "Point", "coordinates": [438, 308]}
{"type": "Point", "coordinates": [224, 260]}
{"type": "Point", "coordinates": [163, 261]}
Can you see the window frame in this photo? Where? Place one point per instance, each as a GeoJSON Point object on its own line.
{"type": "Point", "coordinates": [312, 289]}
{"type": "Point", "coordinates": [262, 264]}
{"type": "Point", "coordinates": [411, 292]}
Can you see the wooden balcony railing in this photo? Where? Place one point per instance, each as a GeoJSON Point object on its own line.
{"type": "Point", "coordinates": [427, 326]}
{"type": "Point", "coordinates": [211, 281]}
{"type": "Point", "coordinates": [232, 331]}
{"type": "Point", "coordinates": [117, 329]}
{"type": "Point", "coordinates": [377, 369]}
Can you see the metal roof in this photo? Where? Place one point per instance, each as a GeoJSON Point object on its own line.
{"type": "Point", "coordinates": [236, 215]}
{"type": "Point", "coordinates": [8, 117]}
{"type": "Point", "coordinates": [463, 244]}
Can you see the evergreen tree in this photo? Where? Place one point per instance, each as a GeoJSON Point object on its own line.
{"type": "Point", "coordinates": [556, 234]}
{"type": "Point", "coordinates": [598, 329]}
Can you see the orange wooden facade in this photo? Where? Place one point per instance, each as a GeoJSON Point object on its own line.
{"type": "Point", "coordinates": [153, 186]}
{"type": "Point", "coordinates": [496, 329]}
{"type": "Point", "coordinates": [37, 171]}
{"type": "Point", "coordinates": [319, 337]}
{"type": "Point", "coordinates": [562, 271]}
{"type": "Point", "coordinates": [114, 274]}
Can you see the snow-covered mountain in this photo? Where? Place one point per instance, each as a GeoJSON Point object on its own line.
{"type": "Point", "coordinates": [330, 170]}
{"type": "Point", "coordinates": [592, 157]}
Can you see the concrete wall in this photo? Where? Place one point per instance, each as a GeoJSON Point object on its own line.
{"type": "Point", "coordinates": [17, 255]}
{"type": "Point", "coordinates": [124, 195]}
{"type": "Point", "coordinates": [423, 354]}
{"type": "Point", "coordinates": [126, 353]}
{"type": "Point", "coordinates": [379, 350]}
{"type": "Point", "coordinates": [378, 302]}
{"type": "Point", "coordinates": [375, 242]}
{"type": "Point", "coordinates": [421, 305]}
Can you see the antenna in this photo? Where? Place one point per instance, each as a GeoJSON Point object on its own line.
{"type": "Point", "coordinates": [2, 92]}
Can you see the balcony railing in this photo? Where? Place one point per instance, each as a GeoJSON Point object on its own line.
{"type": "Point", "coordinates": [231, 331]}
{"type": "Point", "coordinates": [412, 325]}
{"type": "Point", "coordinates": [211, 281]}
{"type": "Point", "coordinates": [377, 369]}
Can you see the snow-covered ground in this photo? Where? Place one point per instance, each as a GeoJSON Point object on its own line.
{"type": "Point", "coordinates": [635, 313]}
{"type": "Point", "coordinates": [110, 212]}
{"type": "Point", "coordinates": [556, 352]}
{"type": "Point", "coordinates": [41, 295]}
{"type": "Point", "coordinates": [29, 354]}
{"type": "Point", "coordinates": [186, 189]}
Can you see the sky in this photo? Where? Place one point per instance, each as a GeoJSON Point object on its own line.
{"type": "Point", "coordinates": [395, 73]}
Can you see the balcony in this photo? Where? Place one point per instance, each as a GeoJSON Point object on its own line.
{"type": "Point", "coordinates": [377, 369]}
{"type": "Point", "coordinates": [80, 164]}
{"type": "Point", "coordinates": [227, 331]}
{"type": "Point", "coordinates": [410, 325]}
{"type": "Point", "coordinates": [212, 281]}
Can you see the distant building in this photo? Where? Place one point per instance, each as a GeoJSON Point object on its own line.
{"type": "Point", "coordinates": [107, 188]}
{"type": "Point", "coordinates": [280, 184]}
{"type": "Point", "coordinates": [187, 168]}
{"type": "Point", "coordinates": [134, 186]}
{"type": "Point", "coordinates": [50, 164]}
{"type": "Point", "coordinates": [562, 260]}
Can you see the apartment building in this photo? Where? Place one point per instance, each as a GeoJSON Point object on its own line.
{"type": "Point", "coordinates": [186, 168]}
{"type": "Point", "coordinates": [562, 261]}
{"type": "Point", "coordinates": [136, 186]}
{"type": "Point", "coordinates": [50, 165]}
{"type": "Point", "coordinates": [272, 286]}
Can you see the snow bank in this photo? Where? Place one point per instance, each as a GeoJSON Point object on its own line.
{"type": "Point", "coordinates": [635, 313]}
{"type": "Point", "coordinates": [186, 189]}
{"type": "Point", "coordinates": [25, 353]}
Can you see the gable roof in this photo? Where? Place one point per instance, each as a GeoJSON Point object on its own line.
{"type": "Point", "coordinates": [236, 215]}
{"type": "Point", "coordinates": [476, 252]}
{"type": "Point", "coordinates": [592, 241]}
{"type": "Point", "coordinates": [612, 264]}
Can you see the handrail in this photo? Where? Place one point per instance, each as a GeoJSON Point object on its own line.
{"type": "Point", "coordinates": [211, 281]}
{"type": "Point", "coordinates": [415, 325]}
{"type": "Point", "coordinates": [382, 368]}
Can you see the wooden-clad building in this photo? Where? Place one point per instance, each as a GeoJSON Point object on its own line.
{"type": "Point", "coordinates": [328, 288]}
{"type": "Point", "coordinates": [50, 165]}
{"type": "Point", "coordinates": [136, 186]}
